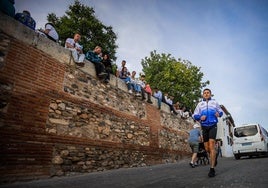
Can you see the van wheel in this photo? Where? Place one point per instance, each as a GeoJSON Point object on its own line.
{"type": "Point", "coordinates": [237, 156]}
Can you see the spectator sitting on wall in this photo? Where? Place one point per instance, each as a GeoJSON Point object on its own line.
{"type": "Point", "coordinates": [169, 101]}
{"type": "Point", "coordinates": [134, 84]}
{"type": "Point", "coordinates": [185, 113]}
{"type": "Point", "coordinates": [50, 32]}
{"type": "Point", "coordinates": [95, 58]}
{"type": "Point", "coordinates": [123, 64]}
{"type": "Point", "coordinates": [26, 19]}
{"type": "Point", "coordinates": [7, 7]}
{"type": "Point", "coordinates": [158, 95]}
{"type": "Point", "coordinates": [148, 89]}
{"type": "Point", "coordinates": [177, 108]}
{"type": "Point", "coordinates": [77, 50]}
{"type": "Point", "coordinates": [143, 85]}
{"type": "Point", "coordinates": [106, 61]}
{"type": "Point", "coordinates": [124, 75]}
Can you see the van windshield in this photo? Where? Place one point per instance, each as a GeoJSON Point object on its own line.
{"type": "Point", "coordinates": [246, 131]}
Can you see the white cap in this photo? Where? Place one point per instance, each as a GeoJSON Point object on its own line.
{"type": "Point", "coordinates": [196, 126]}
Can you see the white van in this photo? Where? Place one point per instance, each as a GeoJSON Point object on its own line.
{"type": "Point", "coordinates": [250, 140]}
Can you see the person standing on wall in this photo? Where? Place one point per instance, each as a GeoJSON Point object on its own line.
{"type": "Point", "coordinates": [207, 112]}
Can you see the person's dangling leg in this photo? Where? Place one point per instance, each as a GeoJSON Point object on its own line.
{"type": "Point", "coordinates": [212, 132]}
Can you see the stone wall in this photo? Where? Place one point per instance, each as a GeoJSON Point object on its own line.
{"type": "Point", "coordinates": [58, 119]}
{"type": "Point", "coordinates": [68, 119]}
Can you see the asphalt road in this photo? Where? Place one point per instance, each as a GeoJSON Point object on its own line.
{"type": "Point", "coordinates": [245, 172]}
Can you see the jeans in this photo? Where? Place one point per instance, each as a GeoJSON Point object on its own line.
{"type": "Point", "coordinates": [78, 58]}
{"type": "Point", "coordinates": [136, 87]}
{"type": "Point", "coordinates": [127, 80]}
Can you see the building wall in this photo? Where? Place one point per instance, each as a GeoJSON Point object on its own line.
{"type": "Point", "coordinates": [58, 119]}
{"type": "Point", "coordinates": [224, 135]}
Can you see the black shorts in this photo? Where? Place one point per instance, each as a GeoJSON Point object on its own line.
{"type": "Point", "coordinates": [209, 132]}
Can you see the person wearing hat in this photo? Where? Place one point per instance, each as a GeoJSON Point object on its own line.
{"type": "Point", "coordinates": [195, 137]}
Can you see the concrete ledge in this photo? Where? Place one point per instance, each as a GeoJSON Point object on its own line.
{"type": "Point", "coordinates": [19, 31]}
{"type": "Point", "coordinates": [113, 80]}
{"type": "Point", "coordinates": [122, 85]}
{"type": "Point", "coordinates": [165, 107]}
{"type": "Point", "coordinates": [58, 52]}
{"type": "Point", "coordinates": [89, 68]}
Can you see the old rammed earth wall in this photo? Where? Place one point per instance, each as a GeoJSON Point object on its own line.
{"type": "Point", "coordinates": [57, 119]}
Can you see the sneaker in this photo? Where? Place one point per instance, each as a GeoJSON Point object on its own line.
{"type": "Point", "coordinates": [150, 102]}
{"type": "Point", "coordinates": [192, 165]}
{"type": "Point", "coordinates": [80, 64]}
{"type": "Point", "coordinates": [211, 172]}
{"type": "Point", "coordinates": [130, 91]}
{"type": "Point", "coordinates": [102, 74]}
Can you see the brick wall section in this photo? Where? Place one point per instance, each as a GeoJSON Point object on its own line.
{"type": "Point", "coordinates": [26, 71]}
{"type": "Point", "coordinates": [154, 121]}
{"type": "Point", "coordinates": [33, 75]}
{"type": "Point", "coordinates": [58, 120]}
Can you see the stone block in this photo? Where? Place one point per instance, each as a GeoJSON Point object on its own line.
{"type": "Point", "coordinates": [121, 85]}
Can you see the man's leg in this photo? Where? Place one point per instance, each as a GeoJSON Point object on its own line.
{"type": "Point", "coordinates": [159, 101]}
{"type": "Point", "coordinates": [97, 68]}
{"type": "Point", "coordinates": [81, 58]}
{"type": "Point", "coordinates": [206, 147]}
{"type": "Point", "coordinates": [193, 161]}
{"type": "Point", "coordinates": [75, 55]}
{"type": "Point", "coordinates": [212, 152]}
{"type": "Point", "coordinates": [142, 94]}
{"type": "Point", "coordinates": [149, 98]}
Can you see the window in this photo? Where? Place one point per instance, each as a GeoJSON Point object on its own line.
{"type": "Point", "coordinates": [246, 131]}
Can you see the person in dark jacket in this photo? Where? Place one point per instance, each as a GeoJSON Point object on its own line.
{"type": "Point", "coordinates": [26, 19]}
{"type": "Point", "coordinates": [106, 61]}
{"type": "Point", "coordinates": [7, 7]}
{"type": "Point", "coordinates": [95, 58]}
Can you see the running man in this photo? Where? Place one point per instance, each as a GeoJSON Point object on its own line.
{"type": "Point", "coordinates": [207, 112]}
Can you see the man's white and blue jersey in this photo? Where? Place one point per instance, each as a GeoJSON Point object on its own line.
{"type": "Point", "coordinates": [209, 109]}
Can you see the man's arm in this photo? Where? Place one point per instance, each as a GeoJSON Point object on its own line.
{"type": "Point", "coordinates": [68, 44]}
{"type": "Point", "coordinates": [196, 114]}
{"type": "Point", "coordinates": [219, 112]}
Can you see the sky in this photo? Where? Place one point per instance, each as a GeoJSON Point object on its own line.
{"type": "Point", "coordinates": [228, 39]}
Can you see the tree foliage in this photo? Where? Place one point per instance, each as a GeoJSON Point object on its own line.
{"type": "Point", "coordinates": [81, 19]}
{"type": "Point", "coordinates": [178, 78]}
